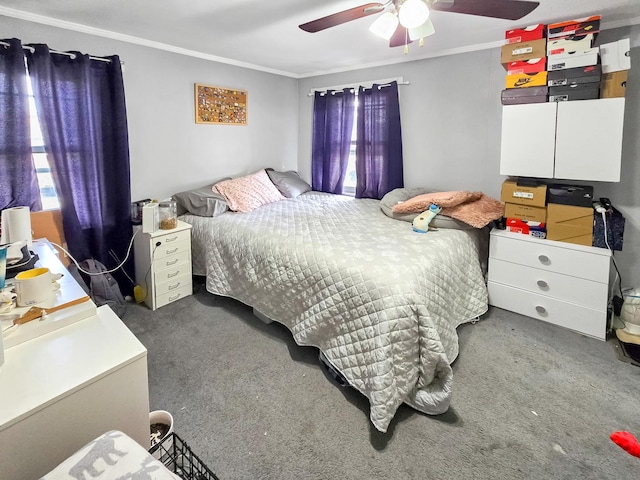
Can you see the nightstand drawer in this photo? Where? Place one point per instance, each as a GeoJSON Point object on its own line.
{"type": "Point", "coordinates": [587, 293]}
{"type": "Point", "coordinates": [591, 263]}
{"type": "Point", "coordinates": [173, 284]}
{"type": "Point", "coordinates": [174, 295]}
{"type": "Point", "coordinates": [174, 271]}
{"type": "Point", "coordinates": [171, 260]}
{"type": "Point", "coordinates": [174, 237]}
{"type": "Point", "coordinates": [173, 248]}
{"type": "Point", "coordinates": [569, 315]}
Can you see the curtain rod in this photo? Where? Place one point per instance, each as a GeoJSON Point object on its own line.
{"type": "Point", "coordinates": [68, 54]}
{"type": "Point", "coordinates": [366, 84]}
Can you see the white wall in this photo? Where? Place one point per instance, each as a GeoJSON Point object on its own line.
{"type": "Point", "coordinates": [169, 151]}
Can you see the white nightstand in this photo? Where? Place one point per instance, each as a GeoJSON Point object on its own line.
{"type": "Point", "coordinates": [557, 282]}
{"type": "Point", "coordinates": [163, 264]}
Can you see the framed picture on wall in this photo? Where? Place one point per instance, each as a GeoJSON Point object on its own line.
{"type": "Point", "coordinates": [220, 105]}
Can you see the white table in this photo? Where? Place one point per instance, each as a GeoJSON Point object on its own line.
{"type": "Point", "coordinates": [65, 387]}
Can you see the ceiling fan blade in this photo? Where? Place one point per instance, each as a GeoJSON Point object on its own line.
{"type": "Point", "coordinates": [400, 37]}
{"type": "Point", "coordinates": [342, 17]}
{"type": "Point", "coordinates": [505, 9]}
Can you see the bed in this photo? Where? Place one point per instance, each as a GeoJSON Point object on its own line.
{"type": "Point", "coordinates": [380, 301]}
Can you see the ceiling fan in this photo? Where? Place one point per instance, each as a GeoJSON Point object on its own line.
{"type": "Point", "coordinates": [406, 20]}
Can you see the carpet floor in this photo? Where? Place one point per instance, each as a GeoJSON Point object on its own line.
{"type": "Point", "coordinates": [530, 400]}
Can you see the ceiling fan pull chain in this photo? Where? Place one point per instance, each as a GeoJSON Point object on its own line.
{"type": "Point", "coordinates": [406, 41]}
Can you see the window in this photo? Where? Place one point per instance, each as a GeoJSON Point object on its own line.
{"type": "Point", "coordinates": [349, 184]}
{"type": "Point", "coordinates": [48, 194]}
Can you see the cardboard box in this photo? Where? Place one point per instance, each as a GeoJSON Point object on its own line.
{"type": "Point", "coordinates": [574, 43]}
{"type": "Point", "coordinates": [580, 26]}
{"type": "Point", "coordinates": [616, 56]}
{"type": "Point", "coordinates": [535, 229]}
{"type": "Point", "coordinates": [526, 34]}
{"type": "Point", "coordinates": [577, 59]}
{"type": "Point", "coordinates": [567, 223]}
{"type": "Point", "coordinates": [515, 96]}
{"type": "Point", "coordinates": [523, 51]}
{"type": "Point", "coordinates": [533, 65]}
{"type": "Point", "coordinates": [525, 212]}
{"type": "Point", "coordinates": [582, 91]}
{"type": "Point", "coordinates": [614, 84]}
{"type": "Point", "coordinates": [577, 195]}
{"type": "Point", "coordinates": [574, 76]}
{"type": "Point", "coordinates": [535, 196]}
{"type": "Point", "coordinates": [526, 80]}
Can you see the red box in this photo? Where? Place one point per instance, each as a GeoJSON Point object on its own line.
{"type": "Point", "coordinates": [526, 227]}
{"type": "Point", "coordinates": [534, 65]}
{"type": "Point", "coordinates": [532, 32]}
{"type": "Point", "coordinates": [580, 26]}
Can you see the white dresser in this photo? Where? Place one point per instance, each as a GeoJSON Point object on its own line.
{"type": "Point", "coordinates": [557, 282]}
{"type": "Point", "coordinates": [163, 264]}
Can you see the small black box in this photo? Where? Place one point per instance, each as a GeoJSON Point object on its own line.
{"type": "Point", "coordinates": [615, 229]}
{"type": "Point", "coordinates": [576, 195]}
{"type": "Point", "coordinates": [580, 91]}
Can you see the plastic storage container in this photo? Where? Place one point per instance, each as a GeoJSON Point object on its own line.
{"type": "Point", "coordinates": [168, 215]}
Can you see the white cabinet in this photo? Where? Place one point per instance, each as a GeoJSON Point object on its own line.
{"type": "Point", "coordinates": [557, 282]}
{"type": "Point", "coordinates": [576, 140]}
{"type": "Point", "coordinates": [64, 388]}
{"type": "Point", "coordinates": [163, 264]}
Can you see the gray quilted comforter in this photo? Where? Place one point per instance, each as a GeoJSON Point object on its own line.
{"type": "Point", "coordinates": [381, 301]}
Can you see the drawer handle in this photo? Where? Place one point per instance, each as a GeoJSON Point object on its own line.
{"type": "Point", "coordinates": [543, 285]}
{"type": "Point", "coordinates": [171, 299]}
{"type": "Point", "coordinates": [172, 262]}
{"type": "Point", "coordinates": [541, 310]}
{"type": "Point", "coordinates": [172, 239]}
{"type": "Point", "coordinates": [169, 252]}
{"type": "Point", "coordinates": [171, 275]}
{"type": "Point", "coordinates": [172, 287]}
{"type": "Point", "coordinates": [544, 259]}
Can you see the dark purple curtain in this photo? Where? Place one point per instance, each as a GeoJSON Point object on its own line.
{"type": "Point", "coordinates": [332, 130]}
{"type": "Point", "coordinates": [18, 180]}
{"type": "Point", "coordinates": [81, 108]}
{"type": "Point", "coordinates": [379, 142]}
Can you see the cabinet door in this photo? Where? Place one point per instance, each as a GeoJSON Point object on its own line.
{"type": "Point", "coordinates": [528, 140]}
{"type": "Point", "coordinates": [589, 139]}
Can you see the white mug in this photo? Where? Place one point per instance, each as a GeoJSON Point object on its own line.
{"type": "Point", "coordinates": [33, 286]}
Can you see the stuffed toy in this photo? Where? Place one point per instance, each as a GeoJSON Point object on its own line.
{"type": "Point", "coordinates": [422, 221]}
{"type": "Point", "coordinates": [627, 442]}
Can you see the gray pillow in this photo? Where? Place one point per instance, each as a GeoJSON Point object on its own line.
{"type": "Point", "coordinates": [289, 183]}
{"type": "Point", "coordinates": [203, 201]}
{"type": "Point", "coordinates": [402, 194]}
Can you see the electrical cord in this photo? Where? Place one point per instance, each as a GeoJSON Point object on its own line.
{"type": "Point", "coordinates": [106, 271]}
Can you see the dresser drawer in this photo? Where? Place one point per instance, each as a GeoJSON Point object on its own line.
{"type": "Point", "coordinates": [564, 314]}
{"type": "Point", "coordinates": [173, 284]}
{"type": "Point", "coordinates": [587, 293]}
{"type": "Point", "coordinates": [173, 237]}
{"type": "Point", "coordinates": [172, 260]}
{"type": "Point", "coordinates": [172, 296]}
{"type": "Point", "coordinates": [175, 270]}
{"type": "Point", "coordinates": [173, 249]}
{"type": "Point", "coordinates": [590, 263]}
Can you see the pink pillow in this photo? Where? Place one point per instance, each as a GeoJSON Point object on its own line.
{"type": "Point", "coordinates": [247, 193]}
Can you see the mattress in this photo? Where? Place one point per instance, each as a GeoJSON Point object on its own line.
{"type": "Point", "coordinates": [380, 301]}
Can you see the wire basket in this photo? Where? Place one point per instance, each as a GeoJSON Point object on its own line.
{"type": "Point", "coordinates": [176, 455]}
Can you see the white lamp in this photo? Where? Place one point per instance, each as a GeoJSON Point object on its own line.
{"type": "Point", "coordinates": [422, 31]}
{"type": "Point", "coordinates": [413, 13]}
{"type": "Point", "coordinates": [385, 25]}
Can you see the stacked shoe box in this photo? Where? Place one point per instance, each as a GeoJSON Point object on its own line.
{"type": "Point", "coordinates": [524, 58]}
{"type": "Point", "coordinates": [573, 62]}
{"type": "Point", "coordinates": [525, 206]}
{"type": "Point", "coordinates": [570, 213]}
{"type": "Point", "coordinates": [616, 61]}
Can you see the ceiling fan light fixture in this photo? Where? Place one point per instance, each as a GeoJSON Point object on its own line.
{"type": "Point", "coordinates": [385, 25]}
{"type": "Point", "coordinates": [422, 31]}
{"type": "Point", "coordinates": [413, 13]}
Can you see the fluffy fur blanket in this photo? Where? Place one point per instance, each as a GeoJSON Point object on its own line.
{"type": "Point", "coordinates": [473, 208]}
